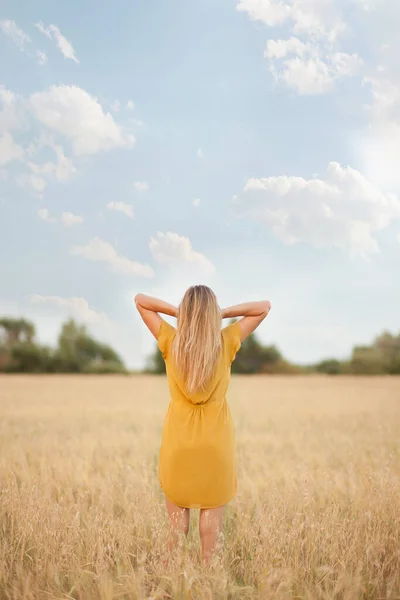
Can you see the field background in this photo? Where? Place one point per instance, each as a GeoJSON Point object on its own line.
{"type": "Point", "coordinates": [82, 515]}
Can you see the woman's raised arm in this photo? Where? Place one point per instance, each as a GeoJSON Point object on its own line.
{"type": "Point", "coordinates": [252, 313]}
{"type": "Point", "coordinates": [149, 309]}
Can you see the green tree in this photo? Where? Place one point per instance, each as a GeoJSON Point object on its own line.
{"type": "Point", "coordinates": [30, 358]}
{"type": "Point", "coordinates": [155, 363]}
{"type": "Point", "coordinates": [79, 352]}
{"type": "Point", "coordinates": [331, 366]}
{"type": "Point", "coordinates": [388, 346]}
{"type": "Point", "coordinates": [253, 357]}
{"type": "Point", "coordinates": [366, 360]}
{"type": "Point", "coordinates": [13, 331]}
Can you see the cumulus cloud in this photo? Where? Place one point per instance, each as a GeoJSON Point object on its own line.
{"type": "Point", "coordinates": [40, 173]}
{"type": "Point", "coordinates": [75, 114]}
{"type": "Point", "coordinates": [308, 61]}
{"type": "Point", "coordinates": [314, 18]}
{"type": "Point", "coordinates": [9, 149]}
{"type": "Point", "coordinates": [343, 209]}
{"type": "Point", "coordinates": [35, 182]}
{"type": "Point", "coordinates": [127, 209]}
{"type": "Point", "coordinates": [69, 219]}
{"type": "Point", "coordinates": [77, 307]}
{"type": "Point", "coordinates": [99, 250]}
{"type": "Point", "coordinates": [62, 170]}
{"type": "Point", "coordinates": [64, 45]}
{"type": "Point", "coordinates": [44, 214]}
{"type": "Point", "coordinates": [305, 68]}
{"type": "Point", "coordinates": [176, 251]}
{"type": "Point", "coordinates": [10, 110]}
{"type": "Point", "coordinates": [141, 186]}
{"type": "Point", "coordinates": [270, 12]}
{"type": "Point", "coordinates": [15, 33]}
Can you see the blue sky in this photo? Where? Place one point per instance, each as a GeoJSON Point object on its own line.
{"type": "Point", "coordinates": [248, 144]}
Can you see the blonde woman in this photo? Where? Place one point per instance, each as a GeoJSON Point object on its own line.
{"type": "Point", "coordinates": [197, 456]}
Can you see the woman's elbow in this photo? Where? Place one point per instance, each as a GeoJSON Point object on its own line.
{"type": "Point", "coordinates": [137, 299]}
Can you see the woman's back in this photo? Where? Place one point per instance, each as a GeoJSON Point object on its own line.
{"type": "Point", "coordinates": [216, 387]}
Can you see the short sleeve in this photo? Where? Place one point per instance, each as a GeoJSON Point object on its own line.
{"type": "Point", "coordinates": [164, 337]}
{"type": "Point", "coordinates": [232, 335]}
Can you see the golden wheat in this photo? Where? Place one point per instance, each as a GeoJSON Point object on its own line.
{"type": "Point", "coordinates": [317, 515]}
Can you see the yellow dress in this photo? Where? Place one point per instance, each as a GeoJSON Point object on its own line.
{"type": "Point", "coordinates": [197, 467]}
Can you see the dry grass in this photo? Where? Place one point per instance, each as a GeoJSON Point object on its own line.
{"type": "Point", "coordinates": [82, 515]}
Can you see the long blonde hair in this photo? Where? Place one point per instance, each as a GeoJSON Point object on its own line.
{"type": "Point", "coordinates": [197, 343]}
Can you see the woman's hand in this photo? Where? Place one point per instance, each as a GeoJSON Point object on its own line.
{"type": "Point", "coordinates": [155, 305]}
{"type": "Point", "coordinates": [247, 309]}
{"type": "Point", "coordinates": [149, 309]}
{"type": "Point", "coordinates": [252, 313]}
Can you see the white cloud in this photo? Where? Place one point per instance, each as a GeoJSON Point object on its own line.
{"type": "Point", "coordinates": [9, 149]}
{"type": "Point", "coordinates": [69, 219]}
{"type": "Point", "coordinates": [40, 174]}
{"type": "Point", "coordinates": [309, 75]}
{"type": "Point", "coordinates": [200, 153]}
{"type": "Point", "coordinates": [196, 202]}
{"type": "Point", "coordinates": [72, 112]}
{"type": "Point", "coordinates": [127, 209]}
{"type": "Point", "coordinates": [7, 97]}
{"type": "Point", "coordinates": [62, 170]}
{"type": "Point", "coordinates": [64, 45]}
{"type": "Point", "coordinates": [270, 12]}
{"type": "Point", "coordinates": [37, 183]}
{"type": "Point", "coordinates": [311, 65]}
{"type": "Point", "coordinates": [317, 19]}
{"type": "Point", "coordinates": [11, 29]}
{"type": "Point", "coordinates": [282, 48]}
{"type": "Point", "coordinates": [44, 214]}
{"type": "Point", "coordinates": [99, 250]}
{"type": "Point", "coordinates": [77, 307]}
{"type": "Point", "coordinates": [342, 210]}
{"type": "Point", "coordinates": [130, 105]}
{"type": "Point", "coordinates": [141, 186]}
{"type": "Point", "coordinates": [43, 29]}
{"type": "Point", "coordinates": [10, 117]}
{"type": "Point", "coordinates": [41, 57]}
{"type": "Point", "coordinates": [176, 251]}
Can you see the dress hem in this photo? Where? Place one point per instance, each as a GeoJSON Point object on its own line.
{"type": "Point", "coordinates": [197, 507]}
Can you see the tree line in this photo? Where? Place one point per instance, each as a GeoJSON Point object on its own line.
{"type": "Point", "coordinates": [382, 357]}
{"type": "Point", "coordinates": [78, 352]}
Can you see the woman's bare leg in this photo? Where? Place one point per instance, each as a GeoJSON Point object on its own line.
{"type": "Point", "coordinates": [210, 525]}
{"type": "Point", "coordinates": [179, 519]}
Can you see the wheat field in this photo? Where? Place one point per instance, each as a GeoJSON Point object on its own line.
{"type": "Point", "coordinates": [82, 516]}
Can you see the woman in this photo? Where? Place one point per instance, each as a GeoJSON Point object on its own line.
{"type": "Point", "coordinates": [197, 456]}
